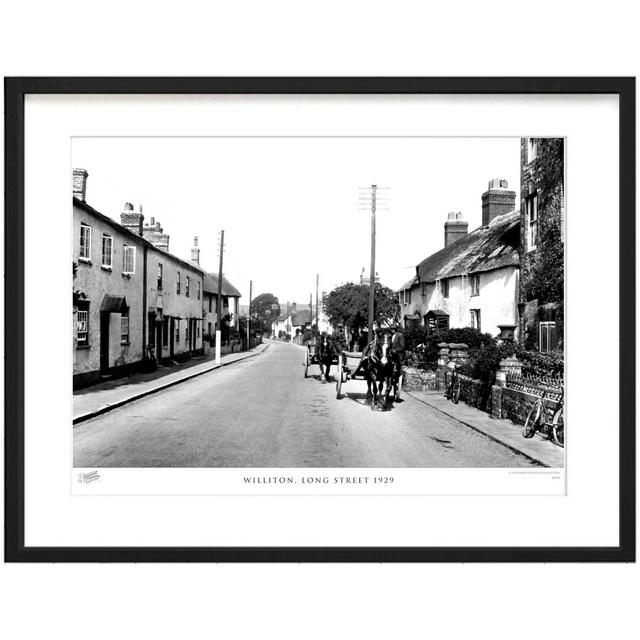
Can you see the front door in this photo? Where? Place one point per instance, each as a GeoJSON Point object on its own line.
{"type": "Point", "coordinates": [159, 342]}
{"type": "Point", "coordinates": [104, 342]}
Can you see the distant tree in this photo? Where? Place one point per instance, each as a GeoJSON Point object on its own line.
{"type": "Point", "coordinates": [265, 310]}
{"type": "Point", "coordinates": [349, 304]}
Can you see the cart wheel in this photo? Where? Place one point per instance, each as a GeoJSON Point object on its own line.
{"type": "Point", "coordinates": [339, 381]}
{"type": "Point", "coordinates": [306, 366]}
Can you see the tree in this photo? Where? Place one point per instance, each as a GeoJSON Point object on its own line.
{"type": "Point", "coordinates": [349, 304]}
{"type": "Point", "coordinates": [265, 310]}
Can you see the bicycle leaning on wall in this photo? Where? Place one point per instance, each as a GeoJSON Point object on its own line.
{"type": "Point", "coordinates": [537, 421]}
{"type": "Point", "coordinates": [453, 388]}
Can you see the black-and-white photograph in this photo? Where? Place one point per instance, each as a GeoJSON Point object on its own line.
{"type": "Point", "coordinates": [318, 302]}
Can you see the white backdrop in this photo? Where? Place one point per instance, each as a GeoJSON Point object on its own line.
{"type": "Point", "coordinates": [328, 601]}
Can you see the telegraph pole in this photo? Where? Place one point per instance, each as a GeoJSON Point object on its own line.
{"type": "Point", "coordinates": [317, 284]}
{"type": "Point", "coordinates": [372, 274]}
{"type": "Point", "coordinates": [369, 200]}
{"type": "Point", "coordinates": [249, 318]}
{"type": "Point", "coordinates": [219, 301]}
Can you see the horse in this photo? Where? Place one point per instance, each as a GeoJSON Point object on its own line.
{"type": "Point", "coordinates": [325, 353]}
{"type": "Point", "coordinates": [379, 369]}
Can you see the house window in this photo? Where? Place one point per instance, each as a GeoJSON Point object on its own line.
{"type": "Point", "coordinates": [177, 329]}
{"type": "Point", "coordinates": [85, 242]}
{"type": "Point", "coordinates": [532, 222]}
{"type": "Point", "coordinates": [406, 296]}
{"type": "Point", "coordinates": [197, 330]}
{"type": "Point", "coordinates": [475, 284]}
{"type": "Point", "coordinates": [124, 328]}
{"type": "Point", "coordinates": [548, 337]}
{"type": "Point", "coordinates": [178, 282]}
{"type": "Point", "coordinates": [532, 149]}
{"type": "Point", "coordinates": [210, 303]}
{"type": "Point", "coordinates": [198, 289]}
{"type": "Point", "coordinates": [128, 259]}
{"type": "Point", "coordinates": [186, 333]}
{"type": "Point", "coordinates": [82, 323]}
{"type": "Point", "coordinates": [444, 288]}
{"type": "Point", "coordinates": [107, 251]}
{"type": "Point", "coordinates": [186, 287]}
{"type": "Point", "coordinates": [475, 319]}
{"type": "Point", "coordinates": [159, 276]}
{"type": "Point", "coordinates": [209, 328]}
{"type": "Point", "coordinates": [423, 289]}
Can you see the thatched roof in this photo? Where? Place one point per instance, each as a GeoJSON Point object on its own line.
{"type": "Point", "coordinates": [211, 286]}
{"type": "Point", "coordinates": [484, 249]}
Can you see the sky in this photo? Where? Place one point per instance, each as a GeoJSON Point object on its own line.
{"type": "Point", "coordinates": [289, 207]}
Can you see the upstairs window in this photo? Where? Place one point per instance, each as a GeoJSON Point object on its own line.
{"type": "Point", "coordinates": [532, 149]}
{"type": "Point", "coordinates": [199, 289]}
{"type": "Point", "coordinates": [406, 296]}
{"type": "Point", "coordinates": [444, 288]}
{"type": "Point", "coordinates": [160, 271]}
{"type": "Point", "coordinates": [532, 222]}
{"type": "Point", "coordinates": [128, 259]}
{"type": "Point", "coordinates": [186, 287]}
{"type": "Point", "coordinates": [423, 289]}
{"type": "Point", "coordinates": [107, 251]}
{"type": "Point", "coordinates": [82, 323]}
{"type": "Point", "coordinates": [475, 284]}
{"type": "Point", "coordinates": [178, 283]}
{"type": "Point", "coordinates": [85, 242]}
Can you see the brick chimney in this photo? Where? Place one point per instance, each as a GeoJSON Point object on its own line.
{"type": "Point", "coordinates": [195, 252]}
{"type": "Point", "coordinates": [454, 228]}
{"type": "Point", "coordinates": [80, 184]}
{"type": "Point", "coordinates": [154, 234]}
{"type": "Point", "coordinates": [498, 199]}
{"type": "Point", "coordinates": [132, 220]}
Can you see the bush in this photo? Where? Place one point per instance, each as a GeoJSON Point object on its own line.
{"type": "Point", "coordinates": [473, 338]}
{"type": "Point", "coordinates": [546, 365]}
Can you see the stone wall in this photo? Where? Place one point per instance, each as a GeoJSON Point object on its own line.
{"type": "Point", "coordinates": [515, 404]}
{"type": "Point", "coordinates": [418, 379]}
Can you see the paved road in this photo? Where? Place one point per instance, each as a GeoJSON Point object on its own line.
{"type": "Point", "coordinates": [262, 413]}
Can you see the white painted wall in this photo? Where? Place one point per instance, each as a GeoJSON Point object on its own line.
{"type": "Point", "coordinates": [497, 300]}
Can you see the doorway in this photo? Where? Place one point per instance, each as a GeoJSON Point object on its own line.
{"type": "Point", "coordinates": [105, 316]}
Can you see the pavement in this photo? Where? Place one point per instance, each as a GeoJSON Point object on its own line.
{"type": "Point", "coordinates": [507, 433]}
{"type": "Point", "coordinates": [263, 412]}
{"type": "Point", "coordinates": [100, 398]}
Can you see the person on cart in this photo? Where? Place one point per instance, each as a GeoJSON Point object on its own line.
{"type": "Point", "coordinates": [398, 348]}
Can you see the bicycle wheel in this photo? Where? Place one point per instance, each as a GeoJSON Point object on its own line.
{"type": "Point", "coordinates": [532, 422]}
{"type": "Point", "coordinates": [558, 427]}
{"type": "Point", "coordinates": [455, 395]}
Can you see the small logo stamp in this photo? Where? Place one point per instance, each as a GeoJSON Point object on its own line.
{"type": "Point", "coordinates": [88, 477]}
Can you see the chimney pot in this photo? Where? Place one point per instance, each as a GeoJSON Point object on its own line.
{"type": "Point", "coordinates": [153, 222]}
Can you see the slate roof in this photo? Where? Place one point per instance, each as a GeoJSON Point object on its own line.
{"type": "Point", "coordinates": [211, 285]}
{"type": "Point", "coordinates": [484, 249]}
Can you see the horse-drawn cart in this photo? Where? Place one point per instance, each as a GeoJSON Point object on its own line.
{"type": "Point", "coordinates": [351, 370]}
{"type": "Point", "coordinates": [311, 357]}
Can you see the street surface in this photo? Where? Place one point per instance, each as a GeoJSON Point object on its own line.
{"type": "Point", "coordinates": [262, 412]}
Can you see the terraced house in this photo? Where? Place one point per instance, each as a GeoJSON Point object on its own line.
{"type": "Point", "coordinates": [133, 301]}
{"type": "Point", "coordinates": [473, 281]}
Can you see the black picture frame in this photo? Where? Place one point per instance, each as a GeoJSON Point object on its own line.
{"type": "Point", "coordinates": [15, 91]}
